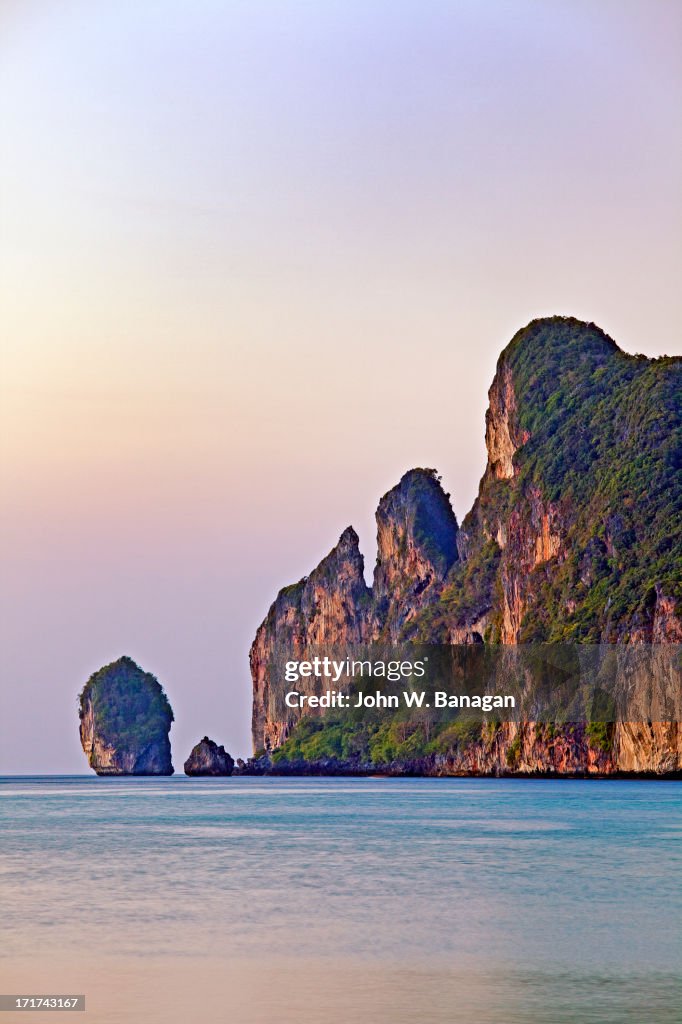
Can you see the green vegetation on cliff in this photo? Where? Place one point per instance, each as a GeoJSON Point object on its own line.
{"type": "Point", "coordinates": [604, 454]}
{"type": "Point", "coordinates": [606, 446]}
{"type": "Point", "coordinates": [129, 706]}
{"type": "Point", "coordinates": [377, 739]}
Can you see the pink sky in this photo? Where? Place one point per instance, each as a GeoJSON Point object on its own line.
{"type": "Point", "coordinates": [258, 260]}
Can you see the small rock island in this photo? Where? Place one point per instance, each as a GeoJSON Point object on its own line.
{"type": "Point", "coordinates": [125, 719]}
{"type": "Point", "coordinates": [207, 758]}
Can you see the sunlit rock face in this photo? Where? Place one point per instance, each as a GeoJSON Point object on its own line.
{"type": "Point", "coordinates": [331, 607]}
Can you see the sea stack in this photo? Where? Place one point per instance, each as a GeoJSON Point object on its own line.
{"type": "Point", "coordinates": [207, 758]}
{"type": "Point", "coordinates": [125, 719]}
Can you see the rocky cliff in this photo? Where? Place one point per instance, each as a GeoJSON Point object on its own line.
{"type": "Point", "coordinates": [416, 548]}
{"type": "Point", "coordinates": [579, 506]}
{"type": "Point", "coordinates": [574, 538]}
{"type": "Point", "coordinates": [331, 606]}
{"type": "Point", "coordinates": [125, 719]}
{"type": "Point", "coordinates": [334, 607]}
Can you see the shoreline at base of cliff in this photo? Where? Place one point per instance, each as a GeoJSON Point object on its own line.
{"type": "Point", "coordinates": [425, 768]}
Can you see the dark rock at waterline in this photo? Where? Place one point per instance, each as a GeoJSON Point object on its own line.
{"type": "Point", "coordinates": [207, 758]}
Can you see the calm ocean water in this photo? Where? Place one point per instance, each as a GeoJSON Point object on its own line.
{"type": "Point", "coordinates": [381, 901]}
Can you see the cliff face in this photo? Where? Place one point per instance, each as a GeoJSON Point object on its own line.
{"type": "Point", "coordinates": [125, 719]}
{"type": "Point", "coordinates": [503, 436]}
{"type": "Point", "coordinates": [331, 606]}
{"type": "Point", "coordinates": [574, 538]}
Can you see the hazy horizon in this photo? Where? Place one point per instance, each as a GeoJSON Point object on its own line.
{"type": "Point", "coordinates": [258, 261]}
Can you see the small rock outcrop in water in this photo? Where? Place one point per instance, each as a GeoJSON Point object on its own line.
{"type": "Point", "coordinates": [207, 758]}
{"type": "Point", "coordinates": [125, 719]}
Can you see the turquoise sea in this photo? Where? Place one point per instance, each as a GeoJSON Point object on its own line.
{"type": "Point", "coordinates": [381, 901]}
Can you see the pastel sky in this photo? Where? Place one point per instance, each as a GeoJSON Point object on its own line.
{"type": "Point", "coordinates": [257, 260]}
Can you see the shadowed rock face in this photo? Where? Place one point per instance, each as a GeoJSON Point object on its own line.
{"type": "Point", "coordinates": [207, 758]}
{"type": "Point", "coordinates": [416, 547]}
{"type": "Point", "coordinates": [125, 719]}
{"type": "Point", "coordinates": [573, 538]}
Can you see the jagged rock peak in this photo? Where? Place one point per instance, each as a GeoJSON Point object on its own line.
{"type": "Point", "coordinates": [415, 522]}
{"type": "Point", "coordinates": [335, 595]}
{"type": "Point", "coordinates": [416, 547]}
{"type": "Point", "coordinates": [330, 606]}
{"type": "Point", "coordinates": [346, 552]}
{"type": "Point", "coordinates": [348, 540]}
{"type": "Point", "coordinates": [345, 557]}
